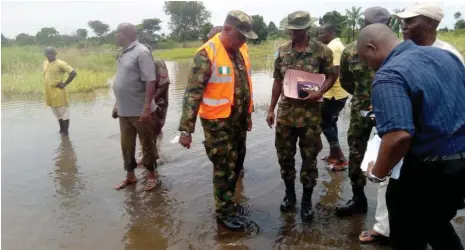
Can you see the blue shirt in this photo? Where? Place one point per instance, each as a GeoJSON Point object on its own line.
{"type": "Point", "coordinates": [421, 90]}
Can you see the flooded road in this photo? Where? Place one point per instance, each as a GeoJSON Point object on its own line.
{"type": "Point", "coordinates": [57, 193]}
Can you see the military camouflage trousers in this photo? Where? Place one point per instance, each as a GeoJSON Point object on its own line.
{"type": "Point", "coordinates": [358, 135]}
{"type": "Point", "coordinates": [226, 149]}
{"type": "Point", "coordinates": [130, 128]}
{"type": "Point", "coordinates": [310, 145]}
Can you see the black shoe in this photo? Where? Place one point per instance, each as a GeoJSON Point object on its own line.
{"type": "Point", "coordinates": [233, 223]}
{"type": "Point", "coordinates": [357, 205]}
{"type": "Point", "coordinates": [289, 200]}
{"type": "Point", "coordinates": [60, 121]}
{"type": "Point", "coordinates": [65, 127]}
{"type": "Point", "coordinates": [241, 210]}
{"type": "Point", "coordinates": [306, 210]}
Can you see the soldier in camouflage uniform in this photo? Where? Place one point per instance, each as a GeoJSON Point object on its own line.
{"type": "Point", "coordinates": [356, 78]}
{"type": "Point", "coordinates": [299, 119]}
{"type": "Point", "coordinates": [225, 138]}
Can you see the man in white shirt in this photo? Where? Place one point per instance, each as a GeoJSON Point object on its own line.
{"type": "Point", "coordinates": [420, 23]}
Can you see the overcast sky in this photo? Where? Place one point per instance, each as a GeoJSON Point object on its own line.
{"type": "Point", "coordinates": [68, 16]}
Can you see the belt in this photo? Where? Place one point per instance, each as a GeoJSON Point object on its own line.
{"type": "Point", "coordinates": [458, 156]}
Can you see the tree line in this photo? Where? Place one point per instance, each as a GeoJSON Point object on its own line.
{"type": "Point", "coordinates": [189, 21]}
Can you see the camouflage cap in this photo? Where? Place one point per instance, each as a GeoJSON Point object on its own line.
{"type": "Point", "coordinates": [242, 22]}
{"type": "Point", "coordinates": [298, 20]}
{"type": "Point", "coordinates": [377, 15]}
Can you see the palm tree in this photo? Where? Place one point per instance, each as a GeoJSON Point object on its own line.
{"type": "Point", "coordinates": [396, 24]}
{"type": "Point", "coordinates": [457, 15]}
{"type": "Point", "coordinates": [354, 19]}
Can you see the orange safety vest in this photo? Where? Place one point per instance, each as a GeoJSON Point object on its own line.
{"type": "Point", "coordinates": [218, 96]}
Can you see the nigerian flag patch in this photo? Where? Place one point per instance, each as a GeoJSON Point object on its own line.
{"type": "Point", "coordinates": [224, 70]}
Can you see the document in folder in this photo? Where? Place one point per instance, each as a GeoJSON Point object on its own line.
{"type": "Point", "coordinates": [372, 153]}
{"type": "Point", "coordinates": [296, 83]}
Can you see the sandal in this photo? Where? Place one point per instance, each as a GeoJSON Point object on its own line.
{"type": "Point", "coordinates": [150, 184]}
{"type": "Point", "coordinates": [125, 183]}
{"type": "Point", "coordinates": [339, 166]}
{"type": "Point", "coordinates": [371, 236]}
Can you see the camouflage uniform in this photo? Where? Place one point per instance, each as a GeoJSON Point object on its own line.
{"type": "Point", "coordinates": [159, 115]}
{"type": "Point", "coordinates": [162, 102]}
{"type": "Point", "coordinates": [224, 138]}
{"type": "Point", "coordinates": [356, 72]}
{"type": "Point", "coordinates": [299, 119]}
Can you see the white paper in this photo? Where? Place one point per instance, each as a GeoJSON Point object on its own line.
{"type": "Point", "coordinates": [372, 153]}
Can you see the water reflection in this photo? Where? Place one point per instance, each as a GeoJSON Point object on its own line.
{"type": "Point", "coordinates": [66, 172]}
{"type": "Point", "coordinates": [150, 225]}
{"type": "Point", "coordinates": [76, 207]}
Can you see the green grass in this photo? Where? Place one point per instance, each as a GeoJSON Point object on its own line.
{"type": "Point", "coordinates": [22, 69]}
{"type": "Point", "coordinates": [258, 53]}
{"type": "Point", "coordinates": [457, 39]}
{"type": "Point", "coordinates": [22, 66]}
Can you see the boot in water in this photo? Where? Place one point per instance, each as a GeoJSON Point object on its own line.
{"type": "Point", "coordinates": [60, 121]}
{"type": "Point", "coordinates": [306, 210]}
{"type": "Point", "coordinates": [289, 200]}
{"type": "Point", "coordinates": [357, 205]}
{"type": "Point", "coordinates": [232, 223]}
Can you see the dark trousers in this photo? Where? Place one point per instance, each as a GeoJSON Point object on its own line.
{"type": "Point", "coordinates": [130, 128]}
{"type": "Point", "coordinates": [329, 116]}
{"type": "Point", "coordinates": [423, 201]}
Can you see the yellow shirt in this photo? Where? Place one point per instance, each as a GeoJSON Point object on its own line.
{"type": "Point", "coordinates": [54, 73]}
{"type": "Point", "coordinates": [336, 91]}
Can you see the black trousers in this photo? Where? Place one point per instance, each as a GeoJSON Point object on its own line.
{"type": "Point", "coordinates": [329, 116]}
{"type": "Point", "coordinates": [423, 201]}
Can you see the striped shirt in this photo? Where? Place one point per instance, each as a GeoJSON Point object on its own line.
{"type": "Point", "coordinates": [421, 90]}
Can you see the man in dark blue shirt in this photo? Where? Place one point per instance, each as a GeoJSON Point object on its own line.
{"type": "Point", "coordinates": [418, 100]}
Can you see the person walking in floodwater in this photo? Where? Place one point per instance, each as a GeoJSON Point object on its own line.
{"type": "Point", "coordinates": [334, 100]}
{"type": "Point", "coordinates": [219, 90]}
{"type": "Point", "coordinates": [56, 95]}
{"type": "Point", "coordinates": [356, 78]}
{"type": "Point", "coordinates": [299, 119]}
{"type": "Point", "coordinates": [134, 86]}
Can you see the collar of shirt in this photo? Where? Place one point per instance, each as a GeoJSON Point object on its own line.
{"type": "Point", "coordinates": [131, 46]}
{"type": "Point", "coordinates": [397, 50]}
{"type": "Point", "coordinates": [307, 50]}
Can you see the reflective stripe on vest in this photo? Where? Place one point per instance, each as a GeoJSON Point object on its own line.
{"type": "Point", "coordinates": [215, 102]}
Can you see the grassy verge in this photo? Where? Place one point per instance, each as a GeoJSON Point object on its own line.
{"type": "Point", "coordinates": [457, 39]}
{"type": "Point", "coordinates": [22, 66]}
{"type": "Point", "coordinates": [22, 69]}
{"type": "Point", "coordinates": [257, 52]}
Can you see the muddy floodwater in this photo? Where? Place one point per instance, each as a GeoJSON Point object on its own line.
{"type": "Point", "coordinates": [57, 193]}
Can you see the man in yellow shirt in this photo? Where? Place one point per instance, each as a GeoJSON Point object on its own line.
{"type": "Point", "coordinates": [334, 100]}
{"type": "Point", "coordinates": [56, 95]}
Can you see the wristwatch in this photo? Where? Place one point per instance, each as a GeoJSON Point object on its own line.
{"type": "Point", "coordinates": [184, 133]}
{"type": "Point", "coordinates": [375, 179]}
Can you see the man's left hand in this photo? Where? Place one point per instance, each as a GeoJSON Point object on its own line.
{"type": "Point", "coordinates": [249, 125]}
{"type": "Point", "coordinates": [60, 85]}
{"type": "Point", "coordinates": [314, 96]}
